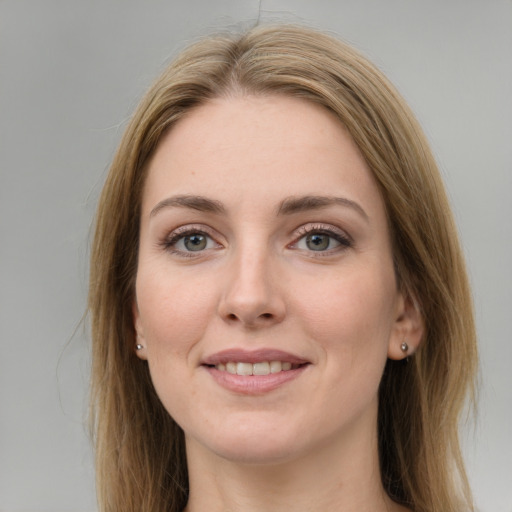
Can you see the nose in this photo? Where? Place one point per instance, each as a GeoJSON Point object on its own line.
{"type": "Point", "coordinates": [251, 295]}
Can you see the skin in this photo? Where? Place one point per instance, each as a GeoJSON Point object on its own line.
{"type": "Point", "coordinates": [258, 284]}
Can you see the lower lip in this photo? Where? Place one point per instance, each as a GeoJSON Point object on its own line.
{"type": "Point", "coordinates": [254, 384]}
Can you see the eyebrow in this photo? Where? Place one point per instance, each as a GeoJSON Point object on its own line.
{"type": "Point", "coordinates": [200, 203]}
{"type": "Point", "coordinates": [288, 206]}
{"type": "Point", "coordinates": [293, 205]}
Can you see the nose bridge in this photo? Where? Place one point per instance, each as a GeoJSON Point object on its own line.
{"type": "Point", "coordinates": [251, 295]}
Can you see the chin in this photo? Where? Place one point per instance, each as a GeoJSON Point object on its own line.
{"type": "Point", "coordinates": [250, 453]}
{"type": "Point", "coordinates": [250, 444]}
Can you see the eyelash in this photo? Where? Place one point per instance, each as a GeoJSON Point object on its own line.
{"type": "Point", "coordinates": [345, 241]}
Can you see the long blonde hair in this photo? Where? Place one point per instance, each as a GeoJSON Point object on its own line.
{"type": "Point", "coordinates": [140, 452]}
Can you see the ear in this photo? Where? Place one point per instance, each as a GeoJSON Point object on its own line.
{"type": "Point", "coordinates": [408, 329]}
{"type": "Point", "coordinates": [140, 341]}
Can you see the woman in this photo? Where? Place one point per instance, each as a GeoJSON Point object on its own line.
{"type": "Point", "coordinates": [280, 312]}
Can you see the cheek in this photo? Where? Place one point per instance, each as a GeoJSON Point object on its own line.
{"type": "Point", "coordinates": [173, 312]}
{"type": "Point", "coordinates": [351, 316]}
{"type": "Point", "coordinates": [362, 299]}
{"type": "Point", "coordinates": [174, 315]}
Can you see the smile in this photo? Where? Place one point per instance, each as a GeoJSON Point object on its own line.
{"type": "Point", "coordinates": [254, 372]}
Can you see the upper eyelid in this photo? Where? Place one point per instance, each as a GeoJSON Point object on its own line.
{"type": "Point", "coordinates": [312, 227]}
{"type": "Point", "coordinates": [191, 228]}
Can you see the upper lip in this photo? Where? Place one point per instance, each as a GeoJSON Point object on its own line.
{"type": "Point", "coordinates": [252, 356]}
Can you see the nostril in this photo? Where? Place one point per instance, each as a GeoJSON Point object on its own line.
{"type": "Point", "coordinates": [263, 316]}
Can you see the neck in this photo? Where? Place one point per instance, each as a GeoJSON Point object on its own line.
{"type": "Point", "coordinates": [341, 475]}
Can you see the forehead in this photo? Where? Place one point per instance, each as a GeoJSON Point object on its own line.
{"type": "Point", "coordinates": [272, 145]}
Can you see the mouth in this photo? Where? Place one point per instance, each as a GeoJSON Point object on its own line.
{"type": "Point", "coordinates": [254, 372]}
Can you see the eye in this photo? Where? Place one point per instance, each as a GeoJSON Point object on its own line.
{"type": "Point", "coordinates": [321, 239]}
{"type": "Point", "coordinates": [187, 241]}
{"type": "Point", "coordinates": [317, 242]}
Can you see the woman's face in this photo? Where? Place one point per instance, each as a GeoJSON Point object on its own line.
{"type": "Point", "coordinates": [266, 299]}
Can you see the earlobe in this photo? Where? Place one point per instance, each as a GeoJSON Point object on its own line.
{"type": "Point", "coordinates": [140, 342]}
{"type": "Point", "coordinates": [408, 329]}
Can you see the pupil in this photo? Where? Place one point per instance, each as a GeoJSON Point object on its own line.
{"type": "Point", "coordinates": [195, 242]}
{"type": "Point", "coordinates": [317, 242]}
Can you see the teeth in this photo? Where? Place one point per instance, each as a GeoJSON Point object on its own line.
{"type": "Point", "coordinates": [262, 368]}
{"type": "Point", "coordinates": [243, 368]}
{"type": "Point", "coordinates": [275, 366]}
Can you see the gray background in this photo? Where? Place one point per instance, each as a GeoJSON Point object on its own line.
{"type": "Point", "coordinates": [71, 72]}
